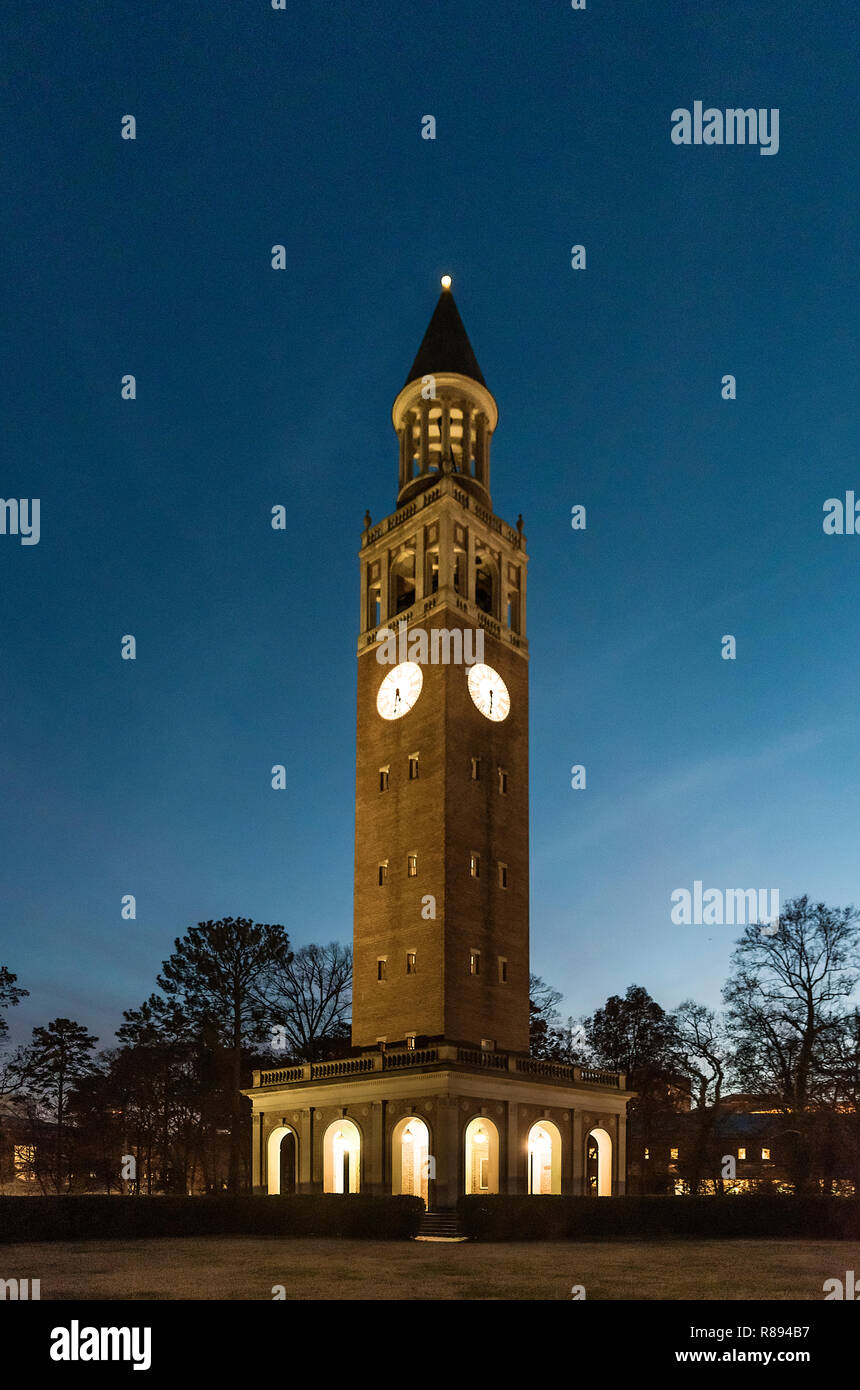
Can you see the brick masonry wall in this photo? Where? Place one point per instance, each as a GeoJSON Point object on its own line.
{"type": "Point", "coordinates": [442, 816]}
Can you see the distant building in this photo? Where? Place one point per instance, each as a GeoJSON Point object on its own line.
{"type": "Point", "coordinates": [751, 1146]}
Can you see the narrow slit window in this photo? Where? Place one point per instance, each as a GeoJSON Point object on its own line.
{"type": "Point", "coordinates": [411, 963]}
{"type": "Point", "coordinates": [413, 767]}
{"type": "Point", "coordinates": [383, 873]}
{"type": "Point", "coordinates": [383, 779]}
{"type": "Point", "coordinates": [382, 968]}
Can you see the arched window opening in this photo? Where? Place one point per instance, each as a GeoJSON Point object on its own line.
{"type": "Point", "coordinates": [460, 572]}
{"type": "Point", "coordinates": [411, 1164]}
{"type": "Point", "coordinates": [598, 1163]}
{"type": "Point", "coordinates": [341, 1155]}
{"type": "Point", "coordinates": [485, 585]}
{"type": "Point", "coordinates": [282, 1161]}
{"type": "Point", "coordinates": [431, 577]}
{"type": "Point", "coordinates": [544, 1159]}
{"type": "Point", "coordinates": [482, 1156]}
{"type": "Point", "coordinates": [403, 582]}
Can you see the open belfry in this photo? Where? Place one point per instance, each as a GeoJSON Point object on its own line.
{"type": "Point", "coordinates": [440, 1096]}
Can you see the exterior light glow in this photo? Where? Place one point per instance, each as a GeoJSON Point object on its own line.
{"type": "Point", "coordinates": [446, 282]}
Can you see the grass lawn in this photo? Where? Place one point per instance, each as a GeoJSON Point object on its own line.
{"type": "Point", "coordinates": [242, 1267]}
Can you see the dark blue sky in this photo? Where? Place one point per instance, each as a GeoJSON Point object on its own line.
{"type": "Point", "coordinates": [258, 387]}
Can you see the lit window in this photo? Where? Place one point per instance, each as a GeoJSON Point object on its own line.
{"type": "Point", "coordinates": [503, 781]}
{"type": "Point", "coordinates": [673, 1153]}
{"type": "Point", "coordinates": [503, 971]}
{"type": "Point", "coordinates": [382, 968]}
{"type": "Point", "coordinates": [383, 873]}
{"type": "Point", "coordinates": [742, 1153]}
{"type": "Point", "coordinates": [475, 865]}
{"type": "Point", "coordinates": [765, 1153]}
{"type": "Point", "coordinates": [647, 1153]}
{"type": "Point", "coordinates": [410, 1042]}
{"type": "Point", "coordinates": [487, 1044]}
{"type": "Point", "coordinates": [412, 865]}
{"type": "Point", "coordinates": [23, 1158]}
{"type": "Point", "coordinates": [474, 962]}
{"type": "Point", "coordinates": [476, 769]}
{"type": "Point", "coordinates": [503, 875]}
{"type": "Point", "coordinates": [410, 963]}
{"type": "Point", "coordinates": [413, 766]}
{"type": "Point", "coordinates": [383, 779]}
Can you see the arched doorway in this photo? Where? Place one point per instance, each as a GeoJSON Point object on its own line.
{"type": "Point", "coordinates": [544, 1159]}
{"type": "Point", "coordinates": [410, 1158]}
{"type": "Point", "coordinates": [282, 1154]}
{"type": "Point", "coordinates": [598, 1163]}
{"type": "Point", "coordinates": [341, 1157]}
{"type": "Point", "coordinates": [482, 1156]}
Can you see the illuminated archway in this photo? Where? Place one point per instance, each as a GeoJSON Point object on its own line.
{"type": "Point", "coordinates": [410, 1158]}
{"type": "Point", "coordinates": [341, 1157]}
{"type": "Point", "coordinates": [598, 1163]}
{"type": "Point", "coordinates": [482, 1156]}
{"type": "Point", "coordinates": [282, 1161]}
{"type": "Point", "coordinates": [544, 1159]}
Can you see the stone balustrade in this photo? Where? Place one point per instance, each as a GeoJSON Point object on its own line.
{"type": "Point", "coordinates": [431, 1056]}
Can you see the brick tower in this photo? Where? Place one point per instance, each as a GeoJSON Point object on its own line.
{"type": "Point", "coordinates": [441, 810]}
{"type": "Point", "coordinates": [440, 1096]}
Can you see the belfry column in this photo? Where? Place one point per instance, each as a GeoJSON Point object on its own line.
{"type": "Point", "coordinates": [467, 437]}
{"type": "Point", "coordinates": [445, 429]}
{"type": "Point", "coordinates": [481, 469]}
{"type": "Point", "coordinates": [424, 455]}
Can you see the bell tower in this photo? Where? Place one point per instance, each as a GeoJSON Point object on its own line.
{"type": "Point", "coordinates": [441, 841]}
{"type": "Point", "coordinates": [439, 1097]}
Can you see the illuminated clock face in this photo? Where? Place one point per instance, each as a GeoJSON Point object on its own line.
{"type": "Point", "coordinates": [489, 692]}
{"type": "Point", "coordinates": [400, 690]}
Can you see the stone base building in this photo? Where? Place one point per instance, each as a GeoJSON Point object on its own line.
{"type": "Point", "coordinates": [439, 1122]}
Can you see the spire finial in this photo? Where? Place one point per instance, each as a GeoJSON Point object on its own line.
{"type": "Point", "coordinates": [446, 282]}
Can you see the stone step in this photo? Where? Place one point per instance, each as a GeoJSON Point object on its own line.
{"type": "Point", "coordinates": [440, 1225]}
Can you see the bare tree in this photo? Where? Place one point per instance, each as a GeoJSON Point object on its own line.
{"type": "Point", "coordinates": [785, 1002]}
{"type": "Point", "coordinates": [309, 1001]}
{"type": "Point", "coordinates": [701, 1053]}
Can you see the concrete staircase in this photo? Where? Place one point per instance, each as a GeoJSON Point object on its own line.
{"type": "Point", "coordinates": [440, 1225]}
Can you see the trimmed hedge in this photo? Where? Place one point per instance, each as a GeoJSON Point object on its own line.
{"type": "Point", "coordinates": [752, 1216]}
{"type": "Point", "coordinates": [134, 1218]}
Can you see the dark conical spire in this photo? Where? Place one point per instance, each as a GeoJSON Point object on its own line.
{"type": "Point", "coordinates": [445, 346]}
